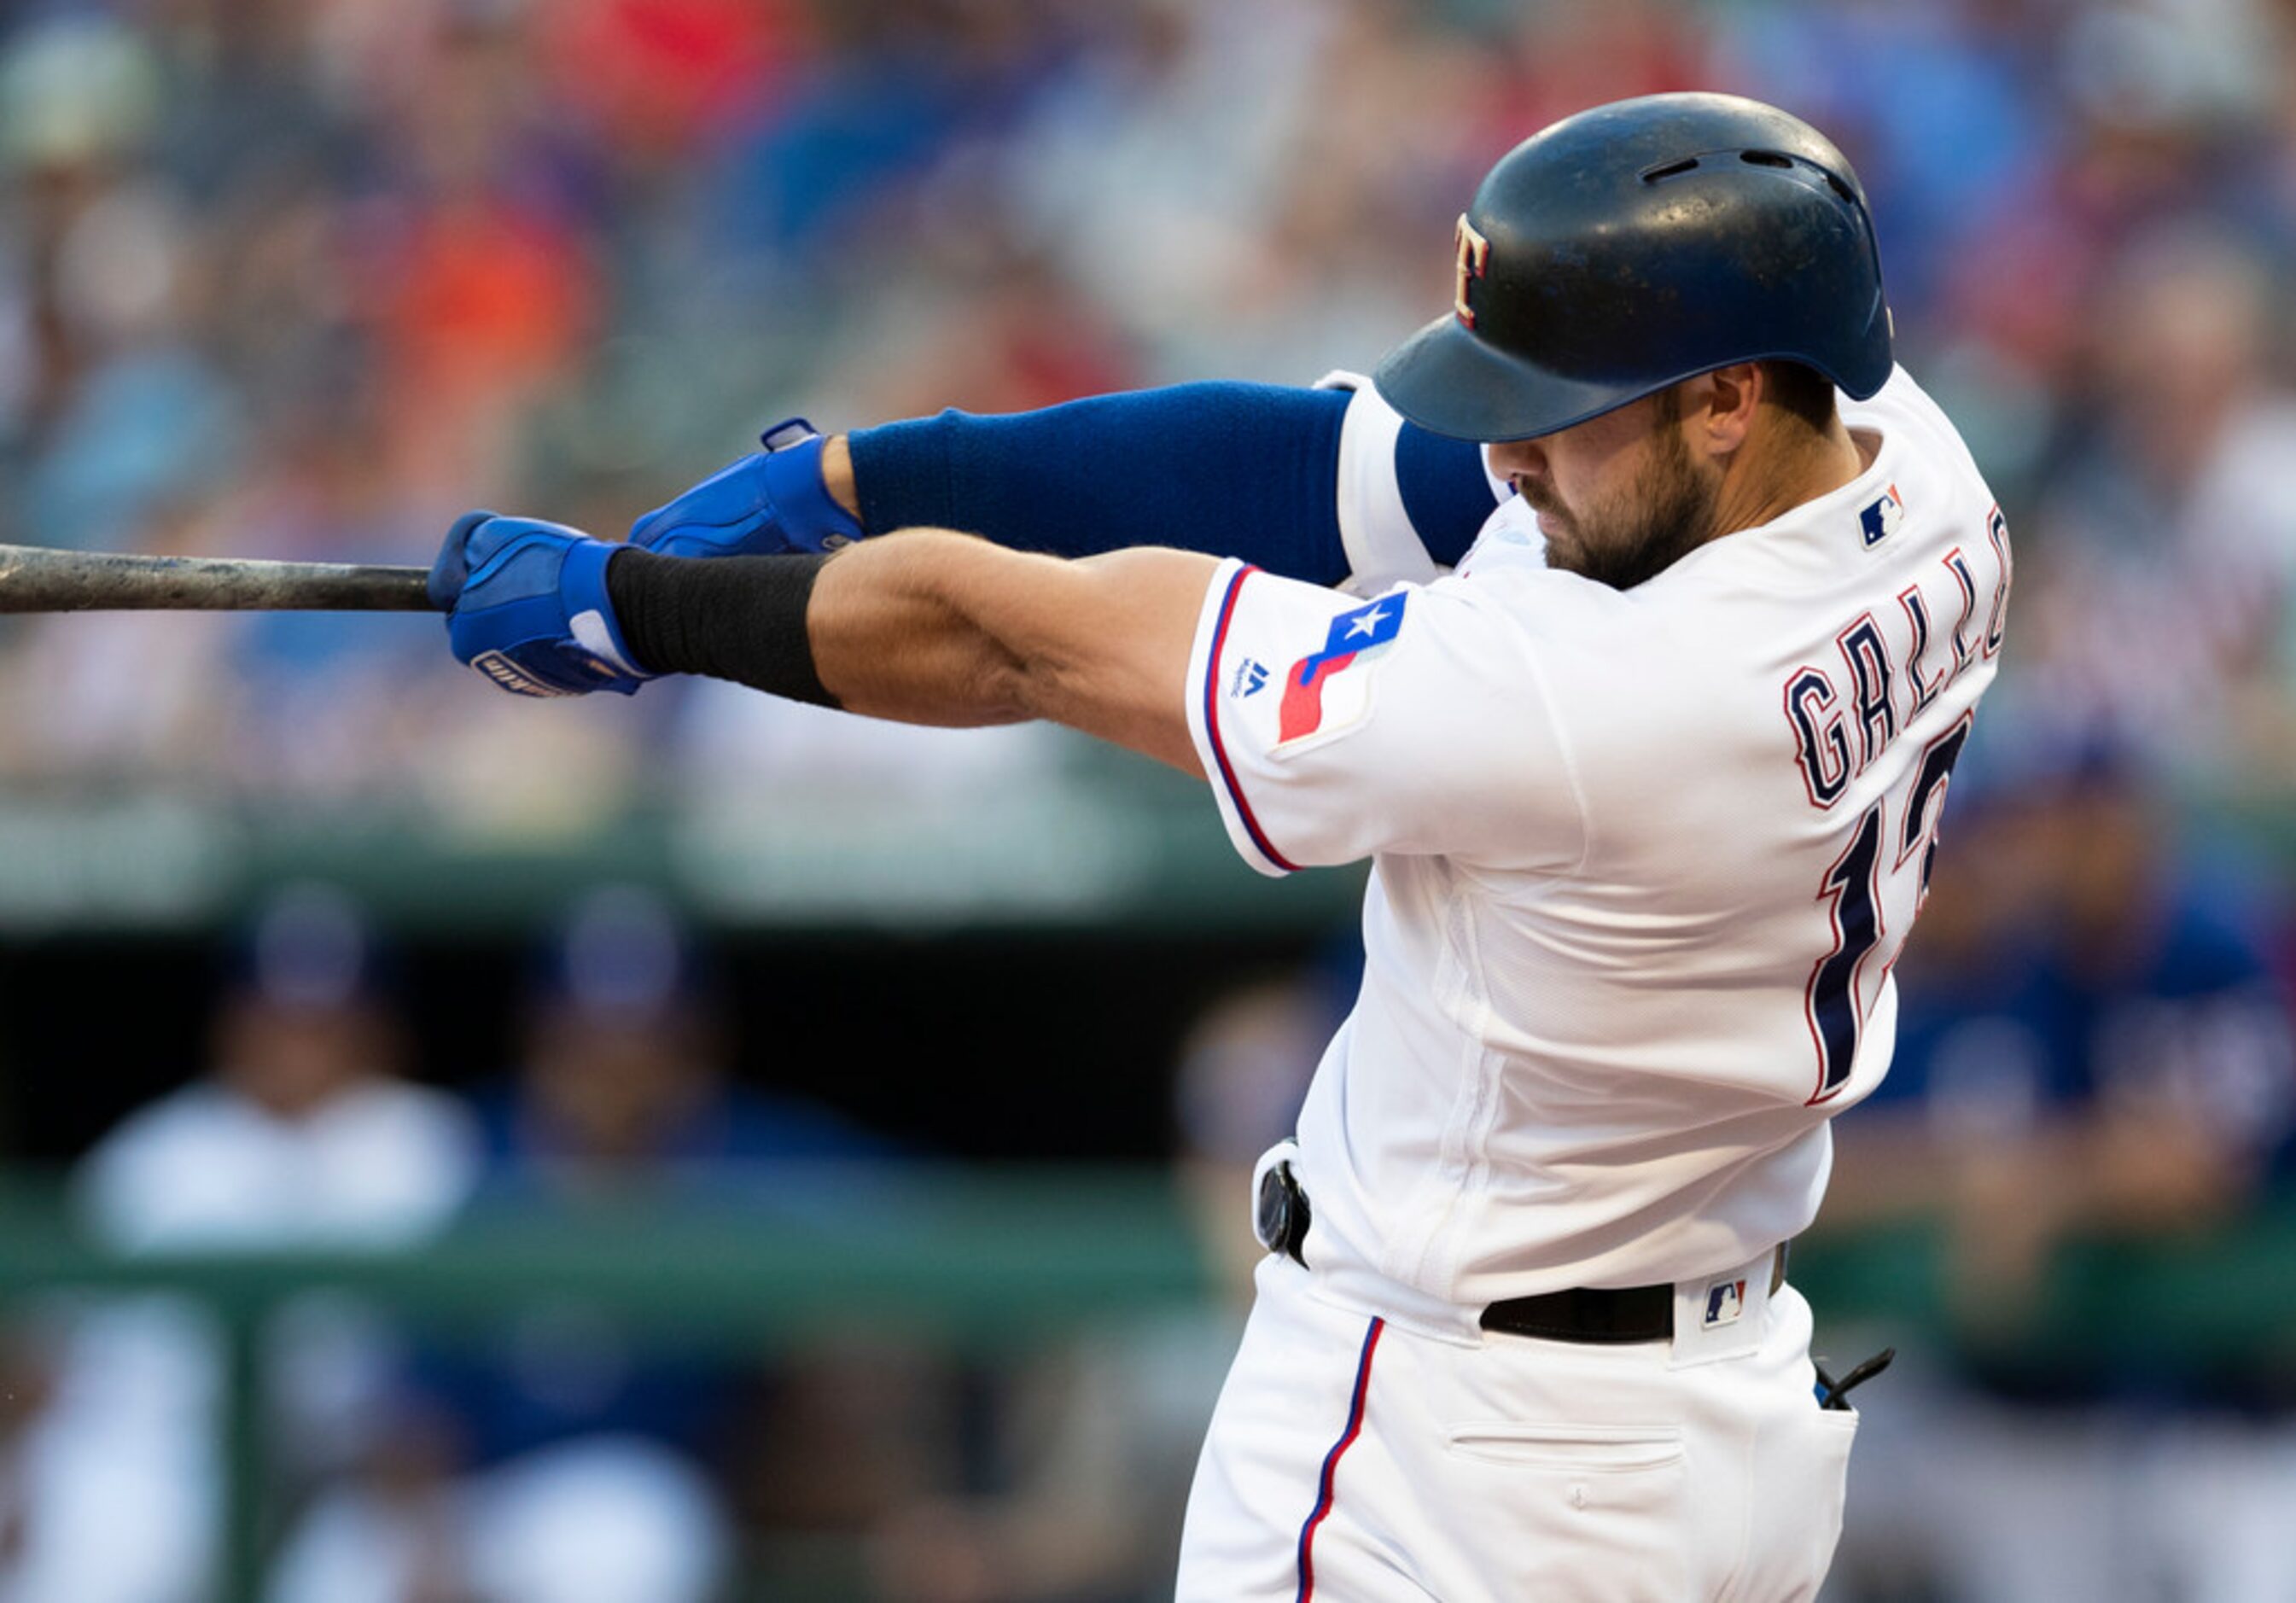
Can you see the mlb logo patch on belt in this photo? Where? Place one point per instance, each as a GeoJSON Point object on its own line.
{"type": "Point", "coordinates": [1726, 1301]}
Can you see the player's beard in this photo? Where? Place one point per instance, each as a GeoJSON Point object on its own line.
{"type": "Point", "coordinates": [1669, 514]}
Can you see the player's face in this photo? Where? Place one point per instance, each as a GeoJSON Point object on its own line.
{"type": "Point", "coordinates": [1620, 497]}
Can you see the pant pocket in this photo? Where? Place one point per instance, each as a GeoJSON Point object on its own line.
{"type": "Point", "coordinates": [1827, 1468]}
{"type": "Point", "coordinates": [1572, 1511]}
{"type": "Point", "coordinates": [1597, 1448]}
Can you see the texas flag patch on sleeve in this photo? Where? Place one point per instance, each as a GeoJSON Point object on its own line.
{"type": "Point", "coordinates": [1282, 679]}
{"type": "Point", "coordinates": [1329, 689]}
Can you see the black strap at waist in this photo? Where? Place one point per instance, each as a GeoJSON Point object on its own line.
{"type": "Point", "coordinates": [1635, 1313]}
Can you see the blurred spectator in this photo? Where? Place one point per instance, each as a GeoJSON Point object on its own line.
{"type": "Point", "coordinates": [2164, 567]}
{"type": "Point", "coordinates": [566, 1456]}
{"type": "Point", "coordinates": [2093, 1043]}
{"type": "Point", "coordinates": [623, 1083]}
{"type": "Point", "coordinates": [305, 1129]}
{"type": "Point", "coordinates": [474, 265]}
{"type": "Point", "coordinates": [129, 413]}
{"type": "Point", "coordinates": [303, 1136]}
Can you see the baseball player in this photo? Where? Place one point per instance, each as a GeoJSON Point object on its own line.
{"type": "Point", "coordinates": [1649, 782]}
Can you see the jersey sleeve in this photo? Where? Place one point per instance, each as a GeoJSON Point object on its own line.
{"type": "Point", "coordinates": [1333, 727]}
{"type": "Point", "coordinates": [1408, 503]}
{"type": "Point", "coordinates": [1375, 531]}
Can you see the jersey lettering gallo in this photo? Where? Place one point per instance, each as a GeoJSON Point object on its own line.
{"type": "Point", "coordinates": [1846, 714]}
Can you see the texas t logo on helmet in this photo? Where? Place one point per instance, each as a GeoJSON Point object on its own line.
{"type": "Point", "coordinates": [1474, 258]}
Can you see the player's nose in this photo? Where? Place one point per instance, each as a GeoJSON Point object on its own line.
{"type": "Point", "coordinates": [1516, 459]}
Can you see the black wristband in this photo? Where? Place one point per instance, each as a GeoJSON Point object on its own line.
{"type": "Point", "coordinates": [738, 618]}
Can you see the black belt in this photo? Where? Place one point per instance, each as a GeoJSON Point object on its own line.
{"type": "Point", "coordinates": [1632, 1314]}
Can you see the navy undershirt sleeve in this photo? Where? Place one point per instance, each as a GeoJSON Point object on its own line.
{"type": "Point", "coordinates": [1445, 493]}
{"type": "Point", "coordinates": [1233, 470]}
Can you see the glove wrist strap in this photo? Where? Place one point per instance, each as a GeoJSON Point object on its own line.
{"type": "Point", "coordinates": [794, 483]}
{"type": "Point", "coordinates": [591, 615]}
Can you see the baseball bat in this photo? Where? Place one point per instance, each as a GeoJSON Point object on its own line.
{"type": "Point", "coordinates": [34, 579]}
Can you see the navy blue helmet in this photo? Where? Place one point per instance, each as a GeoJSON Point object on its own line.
{"type": "Point", "coordinates": [1639, 245]}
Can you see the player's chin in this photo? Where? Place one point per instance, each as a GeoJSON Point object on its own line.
{"type": "Point", "coordinates": [1564, 549]}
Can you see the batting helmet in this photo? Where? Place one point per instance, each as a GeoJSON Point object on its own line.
{"type": "Point", "coordinates": [1639, 245]}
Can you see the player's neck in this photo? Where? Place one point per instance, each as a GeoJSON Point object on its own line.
{"type": "Point", "coordinates": [1784, 466]}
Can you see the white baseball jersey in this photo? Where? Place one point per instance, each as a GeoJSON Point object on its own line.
{"type": "Point", "coordinates": [1641, 861]}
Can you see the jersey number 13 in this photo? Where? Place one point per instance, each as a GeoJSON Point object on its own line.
{"type": "Point", "coordinates": [1853, 892]}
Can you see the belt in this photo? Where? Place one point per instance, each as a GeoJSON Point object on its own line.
{"type": "Point", "coordinates": [1632, 1313]}
{"type": "Point", "coordinates": [1605, 1317]}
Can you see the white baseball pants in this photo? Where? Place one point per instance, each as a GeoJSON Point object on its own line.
{"type": "Point", "coordinates": [1359, 1460]}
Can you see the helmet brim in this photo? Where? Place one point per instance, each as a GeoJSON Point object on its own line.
{"type": "Point", "coordinates": [1448, 381]}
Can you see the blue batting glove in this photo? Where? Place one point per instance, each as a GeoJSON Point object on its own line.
{"type": "Point", "coordinates": [769, 502]}
{"type": "Point", "coordinates": [527, 607]}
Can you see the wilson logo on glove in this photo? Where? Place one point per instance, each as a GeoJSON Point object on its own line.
{"type": "Point", "coordinates": [513, 678]}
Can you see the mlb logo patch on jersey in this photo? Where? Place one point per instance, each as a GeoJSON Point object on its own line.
{"type": "Point", "coordinates": [1880, 519]}
{"type": "Point", "coordinates": [1725, 1300]}
{"type": "Point", "coordinates": [1328, 690]}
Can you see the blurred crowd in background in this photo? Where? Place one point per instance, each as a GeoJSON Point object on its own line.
{"type": "Point", "coordinates": [307, 278]}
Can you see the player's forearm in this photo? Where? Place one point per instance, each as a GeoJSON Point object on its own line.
{"type": "Point", "coordinates": [933, 627]}
{"type": "Point", "coordinates": [891, 639]}
{"type": "Point", "coordinates": [1229, 469]}
{"type": "Point", "coordinates": [938, 628]}
{"type": "Point", "coordinates": [1248, 470]}
{"type": "Point", "coordinates": [884, 638]}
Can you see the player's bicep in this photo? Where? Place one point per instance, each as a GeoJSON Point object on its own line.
{"type": "Point", "coordinates": [1333, 728]}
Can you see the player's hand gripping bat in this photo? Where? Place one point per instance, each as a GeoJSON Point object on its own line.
{"type": "Point", "coordinates": [36, 580]}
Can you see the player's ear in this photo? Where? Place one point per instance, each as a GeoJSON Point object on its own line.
{"type": "Point", "coordinates": [1723, 414]}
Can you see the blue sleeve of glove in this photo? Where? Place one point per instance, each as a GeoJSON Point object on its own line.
{"type": "Point", "coordinates": [1231, 469]}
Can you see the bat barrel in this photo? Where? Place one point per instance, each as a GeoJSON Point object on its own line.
{"type": "Point", "coordinates": [38, 579]}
